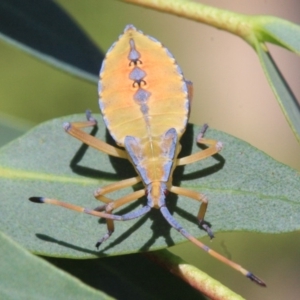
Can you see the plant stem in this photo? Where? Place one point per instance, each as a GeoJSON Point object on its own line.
{"type": "Point", "coordinates": [193, 276]}
{"type": "Point", "coordinates": [221, 19]}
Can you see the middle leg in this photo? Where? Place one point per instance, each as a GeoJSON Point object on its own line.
{"type": "Point", "coordinates": [131, 215]}
{"type": "Point", "coordinates": [110, 204]}
{"type": "Point", "coordinates": [214, 147]}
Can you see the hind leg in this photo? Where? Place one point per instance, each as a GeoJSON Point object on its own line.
{"type": "Point", "coordinates": [203, 206]}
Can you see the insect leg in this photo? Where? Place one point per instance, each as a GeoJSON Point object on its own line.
{"type": "Point", "coordinates": [75, 129]}
{"type": "Point", "coordinates": [121, 201]}
{"type": "Point", "coordinates": [74, 207]}
{"type": "Point", "coordinates": [211, 252]}
{"type": "Point", "coordinates": [203, 206]}
{"type": "Point", "coordinates": [214, 147]}
{"type": "Point", "coordinates": [97, 213]}
{"type": "Point", "coordinates": [111, 204]}
{"type": "Point", "coordinates": [99, 193]}
{"type": "Point", "coordinates": [132, 215]}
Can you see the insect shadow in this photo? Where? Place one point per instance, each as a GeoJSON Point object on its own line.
{"type": "Point", "coordinates": [53, 240]}
{"type": "Point", "coordinates": [88, 171]}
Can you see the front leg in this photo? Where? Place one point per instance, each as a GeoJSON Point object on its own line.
{"type": "Point", "coordinates": [75, 129]}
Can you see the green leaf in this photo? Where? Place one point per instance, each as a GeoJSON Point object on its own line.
{"type": "Point", "coordinates": [25, 276]}
{"type": "Point", "coordinates": [247, 191]}
{"type": "Point", "coordinates": [277, 31]}
{"type": "Point", "coordinates": [11, 128]}
{"type": "Point", "coordinates": [285, 97]}
{"type": "Point", "coordinates": [287, 35]}
{"type": "Point", "coordinates": [44, 30]}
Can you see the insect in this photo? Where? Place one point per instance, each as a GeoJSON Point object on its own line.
{"type": "Point", "coordinates": [145, 102]}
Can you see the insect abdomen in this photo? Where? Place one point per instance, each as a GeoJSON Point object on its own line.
{"type": "Point", "coordinates": [142, 90]}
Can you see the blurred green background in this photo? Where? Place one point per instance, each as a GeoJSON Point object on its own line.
{"type": "Point", "coordinates": [231, 94]}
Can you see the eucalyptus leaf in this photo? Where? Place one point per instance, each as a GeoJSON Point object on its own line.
{"type": "Point", "coordinates": [11, 128]}
{"type": "Point", "coordinates": [284, 95]}
{"type": "Point", "coordinates": [25, 276]}
{"type": "Point", "coordinates": [287, 35]}
{"type": "Point", "coordinates": [44, 30]}
{"type": "Point", "coordinates": [247, 190]}
{"type": "Point", "coordinates": [277, 31]}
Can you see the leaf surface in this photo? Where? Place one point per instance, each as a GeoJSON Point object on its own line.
{"type": "Point", "coordinates": [25, 276]}
{"type": "Point", "coordinates": [247, 190]}
{"type": "Point", "coordinates": [11, 128]}
{"type": "Point", "coordinates": [287, 35]}
{"type": "Point", "coordinates": [284, 95]}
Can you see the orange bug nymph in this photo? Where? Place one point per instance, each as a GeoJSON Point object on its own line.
{"type": "Point", "coordinates": [145, 103]}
